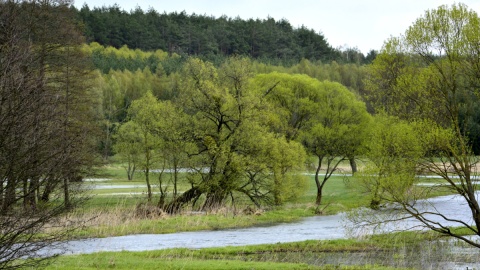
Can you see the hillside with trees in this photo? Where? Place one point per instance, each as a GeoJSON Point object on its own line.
{"type": "Point", "coordinates": [210, 38]}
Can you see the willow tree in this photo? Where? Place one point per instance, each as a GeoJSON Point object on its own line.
{"type": "Point", "coordinates": [336, 133]}
{"type": "Point", "coordinates": [227, 123]}
{"type": "Point", "coordinates": [431, 74]}
{"type": "Point", "coordinates": [144, 116]}
{"type": "Point", "coordinates": [324, 116]}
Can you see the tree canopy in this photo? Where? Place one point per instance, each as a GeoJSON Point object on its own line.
{"type": "Point", "coordinates": [210, 38]}
{"type": "Point", "coordinates": [430, 76]}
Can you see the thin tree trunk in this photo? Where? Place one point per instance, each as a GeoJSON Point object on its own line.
{"type": "Point", "coordinates": [317, 181]}
{"type": "Point", "coordinates": [131, 167]}
{"type": "Point", "coordinates": [163, 193]}
{"type": "Point", "coordinates": [318, 201]}
{"type": "Point", "coordinates": [9, 199]}
{"type": "Point", "coordinates": [50, 184]}
{"type": "Point", "coordinates": [149, 187]}
{"type": "Point", "coordinates": [175, 177]}
{"type": "Point", "coordinates": [66, 192]}
{"type": "Point", "coordinates": [25, 193]}
{"type": "Point", "coordinates": [32, 193]}
{"type": "Point", "coordinates": [353, 165]}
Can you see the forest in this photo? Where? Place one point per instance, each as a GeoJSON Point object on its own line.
{"type": "Point", "coordinates": [210, 38]}
{"type": "Point", "coordinates": [220, 112]}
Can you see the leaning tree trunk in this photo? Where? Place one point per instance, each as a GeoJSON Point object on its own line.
{"type": "Point", "coordinates": [176, 205]}
{"type": "Point", "coordinates": [319, 185]}
{"type": "Point", "coordinates": [353, 165]}
{"type": "Point", "coordinates": [214, 200]}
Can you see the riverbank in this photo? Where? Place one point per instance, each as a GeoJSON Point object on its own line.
{"type": "Point", "coordinates": [109, 214]}
{"type": "Point", "coordinates": [407, 250]}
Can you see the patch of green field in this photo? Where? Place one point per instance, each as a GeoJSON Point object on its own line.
{"type": "Point", "coordinates": [299, 255]}
{"type": "Point", "coordinates": [130, 261]}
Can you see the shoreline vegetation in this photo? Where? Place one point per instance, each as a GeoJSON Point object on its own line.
{"type": "Point", "coordinates": [109, 215]}
{"type": "Point", "coordinates": [130, 213]}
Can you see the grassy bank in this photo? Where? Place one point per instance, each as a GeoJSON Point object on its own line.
{"type": "Point", "coordinates": [121, 207]}
{"type": "Point", "coordinates": [332, 254]}
{"type": "Point", "coordinates": [113, 215]}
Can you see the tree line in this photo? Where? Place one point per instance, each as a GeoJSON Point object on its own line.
{"type": "Point", "coordinates": [243, 136]}
{"type": "Point", "coordinates": [126, 75]}
{"type": "Point", "coordinates": [210, 38]}
{"type": "Point", "coordinates": [47, 126]}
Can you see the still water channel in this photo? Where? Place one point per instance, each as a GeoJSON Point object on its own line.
{"type": "Point", "coordinates": [312, 228]}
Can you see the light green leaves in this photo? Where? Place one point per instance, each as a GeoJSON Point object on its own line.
{"type": "Point", "coordinates": [394, 150]}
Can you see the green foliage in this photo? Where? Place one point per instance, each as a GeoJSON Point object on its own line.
{"type": "Point", "coordinates": [293, 100]}
{"type": "Point", "coordinates": [324, 116]}
{"type": "Point", "coordinates": [429, 77]}
{"type": "Point", "coordinates": [106, 58]}
{"type": "Point", "coordinates": [394, 150]}
{"type": "Point", "coordinates": [217, 126]}
{"type": "Point", "coordinates": [339, 125]}
{"type": "Point", "coordinates": [160, 74]}
{"type": "Point", "coordinates": [207, 37]}
{"type": "Point", "coordinates": [284, 162]}
{"type": "Point", "coordinates": [144, 117]}
{"type": "Point", "coordinates": [228, 122]}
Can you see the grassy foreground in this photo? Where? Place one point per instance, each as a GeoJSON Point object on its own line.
{"type": "Point", "coordinates": [391, 251]}
{"type": "Point", "coordinates": [301, 255]}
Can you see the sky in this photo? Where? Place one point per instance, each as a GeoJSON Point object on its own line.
{"type": "Point", "coordinates": [361, 24]}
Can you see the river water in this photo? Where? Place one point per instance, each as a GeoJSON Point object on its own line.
{"type": "Point", "coordinates": [311, 228]}
{"type": "Point", "coordinates": [316, 228]}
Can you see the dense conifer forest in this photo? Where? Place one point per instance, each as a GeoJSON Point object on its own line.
{"type": "Point", "coordinates": [269, 40]}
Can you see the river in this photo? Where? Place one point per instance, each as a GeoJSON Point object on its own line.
{"type": "Point", "coordinates": [311, 228]}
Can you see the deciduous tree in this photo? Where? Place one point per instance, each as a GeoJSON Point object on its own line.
{"type": "Point", "coordinates": [439, 60]}
{"type": "Point", "coordinates": [324, 116]}
{"type": "Point", "coordinates": [45, 125]}
{"type": "Point", "coordinates": [236, 154]}
{"type": "Point", "coordinates": [145, 115]}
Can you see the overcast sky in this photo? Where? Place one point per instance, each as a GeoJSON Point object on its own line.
{"type": "Point", "coordinates": [364, 24]}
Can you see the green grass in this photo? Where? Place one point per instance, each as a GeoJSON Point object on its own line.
{"type": "Point", "coordinates": [270, 256]}
{"type": "Point", "coordinates": [127, 260]}
{"type": "Point", "coordinates": [132, 261]}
